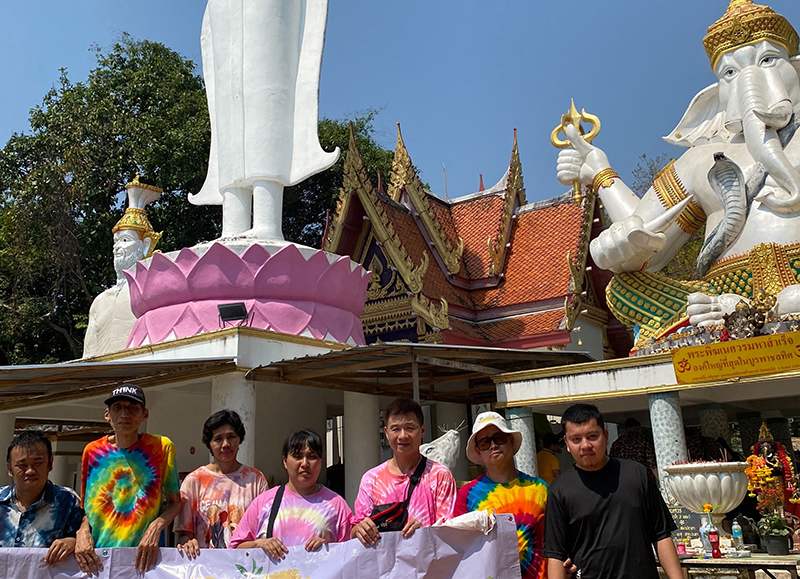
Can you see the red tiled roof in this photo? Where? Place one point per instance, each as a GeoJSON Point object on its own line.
{"type": "Point", "coordinates": [476, 221]}
{"type": "Point", "coordinates": [434, 282]}
{"type": "Point", "coordinates": [535, 273]}
{"type": "Point", "coordinates": [536, 267]}
{"type": "Point", "coordinates": [442, 211]}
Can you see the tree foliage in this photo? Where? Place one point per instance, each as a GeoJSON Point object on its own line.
{"type": "Point", "coordinates": [142, 110]}
{"type": "Point", "coordinates": [62, 188]}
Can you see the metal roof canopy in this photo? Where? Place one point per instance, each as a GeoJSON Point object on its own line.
{"type": "Point", "coordinates": [401, 369]}
{"type": "Point", "coordinates": [24, 386]}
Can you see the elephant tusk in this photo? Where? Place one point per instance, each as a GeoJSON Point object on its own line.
{"type": "Point", "coordinates": [777, 118]}
{"type": "Point", "coordinates": [663, 221]}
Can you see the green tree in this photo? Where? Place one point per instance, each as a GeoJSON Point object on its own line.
{"type": "Point", "coordinates": [306, 204]}
{"type": "Point", "coordinates": [141, 110]}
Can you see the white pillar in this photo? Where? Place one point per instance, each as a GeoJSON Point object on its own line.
{"type": "Point", "coordinates": [233, 392]}
{"type": "Point", "coordinates": [362, 451]}
{"type": "Point", "coordinates": [267, 210]}
{"type": "Point", "coordinates": [667, 423]}
{"type": "Point", "coordinates": [521, 419]}
{"type": "Point", "coordinates": [60, 473]}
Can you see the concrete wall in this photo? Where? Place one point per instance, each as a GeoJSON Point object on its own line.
{"type": "Point", "coordinates": [180, 415]}
{"type": "Point", "coordinates": [282, 409]}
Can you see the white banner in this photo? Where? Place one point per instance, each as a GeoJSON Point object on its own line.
{"type": "Point", "coordinates": [433, 553]}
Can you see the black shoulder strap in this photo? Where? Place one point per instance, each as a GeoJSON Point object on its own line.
{"type": "Point", "coordinates": [415, 477]}
{"type": "Point", "coordinates": [273, 512]}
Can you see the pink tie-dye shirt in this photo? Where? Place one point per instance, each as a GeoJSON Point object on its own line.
{"type": "Point", "coordinates": [300, 518]}
{"type": "Point", "coordinates": [432, 500]}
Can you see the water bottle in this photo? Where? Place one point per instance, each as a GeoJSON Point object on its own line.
{"type": "Point", "coordinates": [703, 530]}
{"type": "Point", "coordinates": [738, 538]}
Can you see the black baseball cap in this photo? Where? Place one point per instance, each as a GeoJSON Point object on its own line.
{"type": "Point", "coordinates": [128, 392]}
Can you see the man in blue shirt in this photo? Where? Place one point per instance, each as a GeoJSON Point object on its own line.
{"type": "Point", "coordinates": [33, 511]}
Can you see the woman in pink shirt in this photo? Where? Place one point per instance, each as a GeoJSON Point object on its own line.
{"type": "Point", "coordinates": [307, 513]}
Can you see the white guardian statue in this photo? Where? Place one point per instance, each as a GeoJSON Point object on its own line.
{"type": "Point", "coordinates": [110, 317]}
{"type": "Point", "coordinates": [261, 63]}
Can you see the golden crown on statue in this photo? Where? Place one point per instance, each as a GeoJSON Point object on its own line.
{"type": "Point", "coordinates": [747, 23]}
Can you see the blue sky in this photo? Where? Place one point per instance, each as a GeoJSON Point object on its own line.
{"type": "Point", "coordinates": [458, 75]}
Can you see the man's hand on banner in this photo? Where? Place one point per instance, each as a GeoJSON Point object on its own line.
{"type": "Point", "coordinates": [410, 526]}
{"type": "Point", "coordinates": [85, 554]}
{"type": "Point", "coordinates": [147, 553]}
{"type": "Point", "coordinates": [59, 549]}
{"type": "Point", "coordinates": [367, 532]}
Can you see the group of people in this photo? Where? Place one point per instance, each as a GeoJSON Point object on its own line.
{"type": "Point", "coordinates": [602, 518]}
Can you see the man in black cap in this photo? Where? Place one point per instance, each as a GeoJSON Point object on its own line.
{"type": "Point", "coordinates": [125, 479]}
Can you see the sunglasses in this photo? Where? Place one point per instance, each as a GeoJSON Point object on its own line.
{"type": "Point", "coordinates": [499, 438]}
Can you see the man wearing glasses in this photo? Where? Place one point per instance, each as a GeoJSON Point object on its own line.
{"type": "Point", "coordinates": [504, 489]}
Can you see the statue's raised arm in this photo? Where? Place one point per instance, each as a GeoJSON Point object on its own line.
{"type": "Point", "coordinates": [261, 63]}
{"type": "Point", "coordinates": [738, 177]}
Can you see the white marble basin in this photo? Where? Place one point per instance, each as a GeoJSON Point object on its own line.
{"type": "Point", "coordinates": [721, 484]}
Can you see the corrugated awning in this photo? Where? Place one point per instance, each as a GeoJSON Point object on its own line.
{"type": "Point", "coordinates": [390, 369]}
{"type": "Point", "coordinates": [23, 386]}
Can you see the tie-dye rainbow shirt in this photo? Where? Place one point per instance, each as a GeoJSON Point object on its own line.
{"type": "Point", "coordinates": [124, 488]}
{"type": "Point", "coordinates": [524, 497]}
{"type": "Point", "coordinates": [300, 518]}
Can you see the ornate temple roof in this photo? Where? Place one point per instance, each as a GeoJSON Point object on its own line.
{"type": "Point", "coordinates": [482, 269]}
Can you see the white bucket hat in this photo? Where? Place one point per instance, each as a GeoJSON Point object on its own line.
{"type": "Point", "coordinates": [483, 420]}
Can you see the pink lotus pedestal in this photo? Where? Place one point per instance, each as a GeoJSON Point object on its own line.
{"type": "Point", "coordinates": [309, 293]}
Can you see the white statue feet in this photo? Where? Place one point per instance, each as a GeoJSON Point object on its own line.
{"type": "Point", "coordinates": [267, 212]}
{"type": "Point", "coordinates": [264, 223]}
{"type": "Point", "coordinates": [707, 311]}
{"type": "Point", "coordinates": [788, 301]}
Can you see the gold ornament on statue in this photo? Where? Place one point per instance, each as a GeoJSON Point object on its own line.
{"type": "Point", "coordinates": [135, 217]}
{"type": "Point", "coordinates": [764, 433]}
{"type": "Point", "coordinates": [574, 118]}
{"type": "Point", "coordinates": [747, 23]}
{"type": "Point", "coordinates": [604, 178]}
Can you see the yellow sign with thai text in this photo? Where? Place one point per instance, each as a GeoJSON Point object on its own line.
{"type": "Point", "coordinates": [738, 358]}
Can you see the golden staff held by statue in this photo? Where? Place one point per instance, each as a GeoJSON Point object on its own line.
{"type": "Point", "coordinates": [574, 118]}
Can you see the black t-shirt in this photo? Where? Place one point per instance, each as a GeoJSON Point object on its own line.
{"type": "Point", "coordinates": [607, 521]}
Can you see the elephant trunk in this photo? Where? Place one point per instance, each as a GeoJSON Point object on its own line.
{"type": "Point", "coordinates": [760, 123]}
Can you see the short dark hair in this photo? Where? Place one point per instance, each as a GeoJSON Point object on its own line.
{"type": "Point", "coordinates": [580, 414]}
{"type": "Point", "coordinates": [222, 418]}
{"type": "Point", "coordinates": [401, 406]}
{"type": "Point", "coordinates": [29, 439]}
{"type": "Point", "coordinates": [299, 439]}
{"type": "Point", "coordinates": [549, 439]}
{"type": "Point", "coordinates": [632, 423]}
